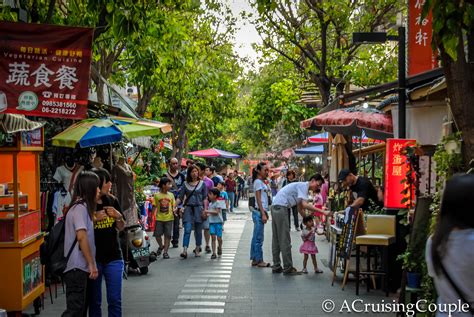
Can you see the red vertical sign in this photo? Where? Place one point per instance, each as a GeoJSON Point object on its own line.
{"type": "Point", "coordinates": [396, 169]}
{"type": "Point", "coordinates": [421, 57]}
{"type": "Point", "coordinates": [44, 70]}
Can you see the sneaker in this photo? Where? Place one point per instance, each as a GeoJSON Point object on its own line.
{"type": "Point", "coordinates": [175, 246]}
{"type": "Point", "coordinates": [208, 250]}
{"type": "Point", "coordinates": [304, 271]}
{"type": "Point", "coordinates": [277, 269]}
{"type": "Point", "coordinates": [291, 271]}
{"type": "Point", "coordinates": [166, 256]}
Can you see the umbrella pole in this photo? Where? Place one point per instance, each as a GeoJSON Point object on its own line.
{"type": "Point", "coordinates": [136, 157]}
{"type": "Point", "coordinates": [111, 157]}
{"type": "Point", "coordinates": [360, 151]}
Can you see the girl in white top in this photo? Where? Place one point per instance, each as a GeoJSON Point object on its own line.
{"type": "Point", "coordinates": [450, 251]}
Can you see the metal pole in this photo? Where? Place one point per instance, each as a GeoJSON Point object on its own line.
{"type": "Point", "coordinates": [401, 84]}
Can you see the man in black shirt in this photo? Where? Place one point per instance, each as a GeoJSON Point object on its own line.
{"type": "Point", "coordinates": [177, 181]}
{"type": "Point", "coordinates": [361, 187]}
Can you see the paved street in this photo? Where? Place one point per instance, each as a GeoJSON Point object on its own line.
{"type": "Point", "coordinates": [229, 286]}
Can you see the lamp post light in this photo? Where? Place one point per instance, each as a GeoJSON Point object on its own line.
{"type": "Point", "coordinates": [382, 37]}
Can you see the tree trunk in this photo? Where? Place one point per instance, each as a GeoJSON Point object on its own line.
{"type": "Point", "coordinates": [100, 88]}
{"type": "Point", "coordinates": [460, 81]}
{"type": "Point", "coordinates": [144, 100]}
{"type": "Point", "coordinates": [324, 86]}
{"type": "Point", "coordinates": [179, 136]}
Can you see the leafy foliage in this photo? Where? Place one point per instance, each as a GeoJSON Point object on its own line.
{"type": "Point", "coordinates": [315, 35]}
{"type": "Point", "coordinates": [272, 114]}
{"type": "Point", "coordinates": [449, 17]}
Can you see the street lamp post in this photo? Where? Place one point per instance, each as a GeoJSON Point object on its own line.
{"type": "Point", "coordinates": [382, 37]}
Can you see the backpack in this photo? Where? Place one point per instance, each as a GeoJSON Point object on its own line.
{"type": "Point", "coordinates": [52, 250]}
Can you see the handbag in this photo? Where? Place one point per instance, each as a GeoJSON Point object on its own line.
{"type": "Point", "coordinates": [456, 289]}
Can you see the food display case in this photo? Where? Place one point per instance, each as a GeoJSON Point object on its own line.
{"type": "Point", "coordinates": [21, 274]}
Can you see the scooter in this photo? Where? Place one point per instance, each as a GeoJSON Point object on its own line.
{"type": "Point", "coordinates": [138, 249]}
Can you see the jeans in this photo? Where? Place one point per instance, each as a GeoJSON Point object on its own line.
{"type": "Point", "coordinates": [256, 251]}
{"type": "Point", "coordinates": [281, 240]}
{"type": "Point", "coordinates": [112, 272]}
{"type": "Point", "coordinates": [188, 227]}
{"type": "Point", "coordinates": [231, 200]}
{"type": "Point", "coordinates": [76, 293]}
{"type": "Point", "coordinates": [294, 211]}
{"type": "Point", "coordinates": [175, 240]}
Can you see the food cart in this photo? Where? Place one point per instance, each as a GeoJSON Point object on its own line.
{"type": "Point", "coordinates": [21, 274]}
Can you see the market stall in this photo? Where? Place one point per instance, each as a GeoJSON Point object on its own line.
{"type": "Point", "coordinates": [20, 224]}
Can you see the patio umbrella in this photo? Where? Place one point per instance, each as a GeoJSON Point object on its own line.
{"type": "Point", "coordinates": [353, 121]}
{"type": "Point", "coordinates": [209, 153]}
{"type": "Point", "coordinates": [317, 149]}
{"type": "Point", "coordinates": [93, 132]}
{"type": "Point", "coordinates": [339, 157]}
{"type": "Point", "coordinates": [323, 138]}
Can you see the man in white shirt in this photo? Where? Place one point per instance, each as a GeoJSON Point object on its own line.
{"type": "Point", "coordinates": [293, 194]}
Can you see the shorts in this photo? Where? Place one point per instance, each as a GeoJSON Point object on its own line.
{"type": "Point", "coordinates": [163, 228]}
{"type": "Point", "coordinates": [215, 229]}
{"type": "Point", "coordinates": [205, 224]}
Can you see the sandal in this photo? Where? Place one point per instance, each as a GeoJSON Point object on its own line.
{"type": "Point", "coordinates": [184, 255]}
{"type": "Point", "coordinates": [197, 252]}
{"type": "Point", "coordinates": [291, 271]}
{"type": "Point", "coordinates": [263, 264]}
{"type": "Point", "coordinates": [166, 256]}
{"type": "Point", "coordinates": [254, 263]}
{"type": "Point", "coordinates": [318, 271]}
{"type": "Point", "coordinates": [208, 250]}
{"type": "Point", "coordinates": [214, 256]}
{"type": "Point", "coordinates": [158, 252]}
{"type": "Point", "coordinates": [219, 251]}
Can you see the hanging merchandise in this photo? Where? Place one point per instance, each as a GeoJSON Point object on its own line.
{"type": "Point", "coordinates": [123, 189]}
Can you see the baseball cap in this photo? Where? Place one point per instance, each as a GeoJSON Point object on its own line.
{"type": "Point", "coordinates": [343, 174]}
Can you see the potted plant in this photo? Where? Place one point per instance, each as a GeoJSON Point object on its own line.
{"type": "Point", "coordinates": [412, 268]}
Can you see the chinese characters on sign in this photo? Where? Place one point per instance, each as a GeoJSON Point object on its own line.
{"type": "Point", "coordinates": [44, 70]}
{"type": "Point", "coordinates": [396, 169]}
{"type": "Point", "coordinates": [421, 57]}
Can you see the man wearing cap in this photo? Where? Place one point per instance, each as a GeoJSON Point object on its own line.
{"type": "Point", "coordinates": [361, 188]}
{"type": "Point", "coordinates": [294, 194]}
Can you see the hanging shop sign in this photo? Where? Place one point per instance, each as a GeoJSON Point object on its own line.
{"type": "Point", "coordinates": [396, 169]}
{"type": "Point", "coordinates": [44, 70]}
{"type": "Point", "coordinates": [421, 57]}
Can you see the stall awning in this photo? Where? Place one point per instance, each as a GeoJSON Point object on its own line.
{"type": "Point", "coordinates": [12, 123]}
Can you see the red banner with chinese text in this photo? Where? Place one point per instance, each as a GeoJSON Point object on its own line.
{"type": "Point", "coordinates": [421, 57]}
{"type": "Point", "coordinates": [44, 70]}
{"type": "Point", "coordinates": [396, 168]}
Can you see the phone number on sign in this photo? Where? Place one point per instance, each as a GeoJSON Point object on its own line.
{"type": "Point", "coordinates": [58, 111]}
{"type": "Point", "coordinates": [59, 104]}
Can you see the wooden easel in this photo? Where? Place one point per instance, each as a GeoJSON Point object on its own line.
{"type": "Point", "coordinates": [350, 231]}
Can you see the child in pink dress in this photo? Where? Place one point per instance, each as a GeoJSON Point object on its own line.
{"type": "Point", "coordinates": [319, 217]}
{"type": "Point", "coordinates": [309, 246]}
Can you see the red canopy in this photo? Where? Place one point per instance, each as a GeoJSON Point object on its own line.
{"type": "Point", "coordinates": [352, 121]}
{"type": "Point", "coordinates": [215, 153]}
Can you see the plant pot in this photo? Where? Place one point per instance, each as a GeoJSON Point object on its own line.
{"type": "Point", "coordinates": [413, 279]}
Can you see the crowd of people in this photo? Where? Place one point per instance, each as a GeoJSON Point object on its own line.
{"type": "Point", "coordinates": [198, 199]}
